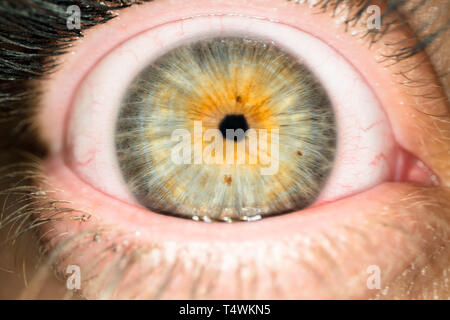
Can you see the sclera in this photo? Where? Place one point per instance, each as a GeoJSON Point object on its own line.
{"type": "Point", "coordinates": [366, 147]}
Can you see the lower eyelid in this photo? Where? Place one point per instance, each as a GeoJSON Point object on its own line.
{"type": "Point", "coordinates": [396, 220]}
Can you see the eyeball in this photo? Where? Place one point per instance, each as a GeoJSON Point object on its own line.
{"type": "Point", "coordinates": [306, 117]}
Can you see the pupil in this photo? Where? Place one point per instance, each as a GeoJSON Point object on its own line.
{"type": "Point", "coordinates": [235, 122]}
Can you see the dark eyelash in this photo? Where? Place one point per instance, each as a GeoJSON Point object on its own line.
{"type": "Point", "coordinates": [34, 32]}
{"type": "Point", "coordinates": [31, 33]}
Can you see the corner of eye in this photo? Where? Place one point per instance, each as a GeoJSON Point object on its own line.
{"type": "Point", "coordinates": [410, 168]}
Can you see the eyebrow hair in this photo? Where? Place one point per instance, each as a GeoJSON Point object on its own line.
{"type": "Point", "coordinates": [34, 32]}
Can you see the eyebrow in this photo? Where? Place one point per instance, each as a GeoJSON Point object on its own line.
{"type": "Point", "coordinates": [34, 32]}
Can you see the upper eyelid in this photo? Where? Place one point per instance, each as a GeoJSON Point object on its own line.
{"type": "Point", "coordinates": [87, 54]}
{"type": "Point", "coordinates": [16, 75]}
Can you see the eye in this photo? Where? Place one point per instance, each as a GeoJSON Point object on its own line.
{"type": "Point", "coordinates": [350, 185]}
{"type": "Point", "coordinates": [294, 98]}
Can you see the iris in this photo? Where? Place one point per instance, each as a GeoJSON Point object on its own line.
{"type": "Point", "coordinates": [226, 83]}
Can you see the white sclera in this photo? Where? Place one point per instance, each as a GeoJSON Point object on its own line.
{"type": "Point", "coordinates": [366, 147]}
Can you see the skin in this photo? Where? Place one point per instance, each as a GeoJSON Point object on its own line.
{"type": "Point", "coordinates": [412, 252]}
